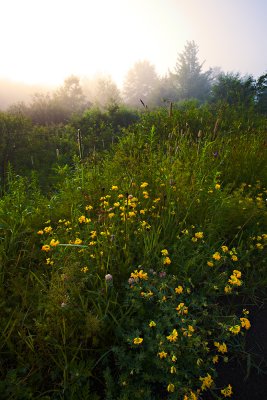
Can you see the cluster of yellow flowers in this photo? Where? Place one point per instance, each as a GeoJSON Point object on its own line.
{"type": "Point", "coordinates": [182, 309]}
{"type": "Point", "coordinates": [235, 278]}
{"type": "Point", "coordinates": [217, 256]}
{"type": "Point", "coordinates": [207, 382]}
{"type": "Point", "coordinates": [173, 336]}
{"type": "Point", "coordinates": [221, 347]}
{"type": "Point", "coordinates": [139, 274]}
{"type": "Point", "coordinates": [197, 235]}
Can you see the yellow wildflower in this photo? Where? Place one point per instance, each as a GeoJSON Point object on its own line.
{"type": "Point", "coordinates": [84, 269]}
{"type": "Point", "coordinates": [237, 273]}
{"type": "Point", "coordinates": [48, 229]}
{"type": "Point", "coordinates": [78, 241]}
{"type": "Point", "coordinates": [199, 235]}
{"type": "Point", "coordinates": [245, 323]}
{"type": "Point", "coordinates": [162, 354]}
{"type": "Point", "coordinates": [41, 232]}
{"type": "Point", "coordinates": [111, 215]}
{"type": "Point", "coordinates": [143, 185]}
{"type": "Point", "coordinates": [114, 187]}
{"type": "Point", "coordinates": [224, 249]}
{"type": "Point", "coordinates": [207, 381]}
{"type": "Point", "coordinates": [167, 261]}
{"type": "Point", "coordinates": [221, 347]}
{"type": "Point", "coordinates": [234, 280]}
{"type": "Point", "coordinates": [179, 289]}
{"type": "Point", "coordinates": [46, 247]}
{"type": "Point", "coordinates": [170, 387]}
{"type": "Point", "coordinates": [191, 396]}
{"type": "Point", "coordinates": [145, 194]}
{"type": "Point", "coordinates": [227, 289]}
{"type": "Point", "coordinates": [173, 369]}
{"type": "Point", "coordinates": [173, 336]}
{"type": "Point", "coordinates": [235, 329]}
{"type": "Point", "coordinates": [138, 340]}
{"type": "Point", "coordinates": [139, 274]}
{"type": "Point", "coordinates": [83, 220]}
{"type": "Point", "coordinates": [215, 359]}
{"type": "Point", "coordinates": [227, 392]}
{"type": "Point", "coordinates": [54, 243]}
{"type": "Point", "coordinates": [182, 309]}
{"type": "Point", "coordinates": [174, 358]}
{"type": "Point", "coordinates": [189, 331]}
{"type": "Point", "coordinates": [210, 264]}
{"type": "Point", "coordinates": [234, 257]}
{"type": "Point", "coordinates": [89, 207]}
{"type": "Point", "coordinates": [152, 324]}
{"type": "Point", "coordinates": [164, 252]}
{"type": "Point", "coordinates": [217, 186]}
{"type": "Point", "coordinates": [49, 261]}
{"type": "Point", "coordinates": [216, 256]}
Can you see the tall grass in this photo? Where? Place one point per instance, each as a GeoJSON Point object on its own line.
{"type": "Point", "coordinates": [164, 218]}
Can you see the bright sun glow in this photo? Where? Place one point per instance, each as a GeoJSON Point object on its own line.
{"type": "Point", "coordinates": [45, 41]}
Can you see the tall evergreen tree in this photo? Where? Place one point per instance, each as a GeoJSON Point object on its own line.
{"type": "Point", "coordinates": [188, 78]}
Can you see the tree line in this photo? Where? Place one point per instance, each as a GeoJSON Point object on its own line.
{"type": "Point", "coordinates": [144, 88]}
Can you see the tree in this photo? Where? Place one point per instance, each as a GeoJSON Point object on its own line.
{"type": "Point", "coordinates": [261, 86]}
{"type": "Point", "coordinates": [188, 78]}
{"type": "Point", "coordinates": [140, 84]}
{"type": "Point", "coordinates": [70, 96]}
{"type": "Point", "coordinates": [234, 90]}
{"type": "Point", "coordinates": [106, 93]}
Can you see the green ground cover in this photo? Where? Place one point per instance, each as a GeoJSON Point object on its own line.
{"type": "Point", "coordinates": [135, 274]}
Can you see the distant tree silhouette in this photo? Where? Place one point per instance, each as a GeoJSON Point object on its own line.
{"type": "Point", "coordinates": [261, 86]}
{"type": "Point", "coordinates": [140, 82]}
{"type": "Point", "coordinates": [188, 78]}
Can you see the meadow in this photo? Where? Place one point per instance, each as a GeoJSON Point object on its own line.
{"type": "Point", "coordinates": [137, 272]}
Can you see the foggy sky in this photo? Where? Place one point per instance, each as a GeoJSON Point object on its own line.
{"type": "Point", "coordinates": [45, 41]}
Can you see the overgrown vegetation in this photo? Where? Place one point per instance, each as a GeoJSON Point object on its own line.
{"type": "Point", "coordinates": [130, 257]}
